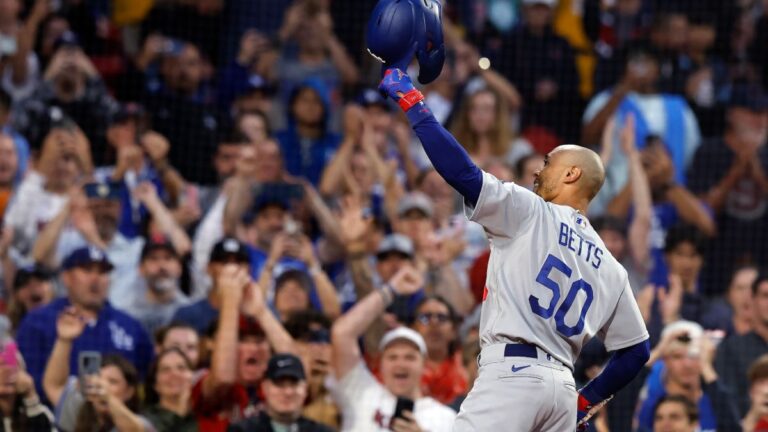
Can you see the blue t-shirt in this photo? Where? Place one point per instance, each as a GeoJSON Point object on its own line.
{"type": "Point", "coordinates": [707, 419]}
{"type": "Point", "coordinates": [199, 315]}
{"type": "Point", "coordinates": [113, 331]}
{"type": "Point", "coordinates": [664, 217]}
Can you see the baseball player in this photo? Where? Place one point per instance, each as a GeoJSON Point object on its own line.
{"type": "Point", "coordinates": [552, 285]}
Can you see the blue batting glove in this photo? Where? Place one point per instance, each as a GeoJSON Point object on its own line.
{"type": "Point", "coordinates": [398, 85]}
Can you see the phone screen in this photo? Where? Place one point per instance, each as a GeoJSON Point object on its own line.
{"type": "Point", "coordinates": [9, 355]}
{"type": "Point", "coordinates": [403, 404]}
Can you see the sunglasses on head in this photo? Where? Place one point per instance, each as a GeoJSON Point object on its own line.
{"type": "Point", "coordinates": [427, 317]}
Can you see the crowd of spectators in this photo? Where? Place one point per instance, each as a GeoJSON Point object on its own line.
{"type": "Point", "coordinates": [212, 220]}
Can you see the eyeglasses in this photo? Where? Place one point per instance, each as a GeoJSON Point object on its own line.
{"type": "Point", "coordinates": [427, 317]}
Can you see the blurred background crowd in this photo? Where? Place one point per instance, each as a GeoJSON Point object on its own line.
{"type": "Point", "coordinates": [211, 220]}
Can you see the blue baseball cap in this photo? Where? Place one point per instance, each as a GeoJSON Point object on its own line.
{"type": "Point", "coordinates": [371, 97]}
{"type": "Point", "coordinates": [750, 96]}
{"type": "Point", "coordinates": [103, 190]}
{"type": "Point", "coordinates": [85, 256]}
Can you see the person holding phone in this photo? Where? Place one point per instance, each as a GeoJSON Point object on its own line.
{"type": "Point", "coordinates": [20, 407]}
{"type": "Point", "coordinates": [682, 364]}
{"type": "Point", "coordinates": [85, 275]}
{"type": "Point", "coordinates": [656, 114]}
{"type": "Point", "coordinates": [103, 395]}
{"type": "Point", "coordinates": [396, 403]}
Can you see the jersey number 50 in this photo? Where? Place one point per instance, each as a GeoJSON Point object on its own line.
{"type": "Point", "coordinates": [555, 263]}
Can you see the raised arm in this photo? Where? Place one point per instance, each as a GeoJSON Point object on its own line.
{"type": "Point", "coordinates": [448, 157]}
{"type": "Point", "coordinates": [351, 325]}
{"type": "Point", "coordinates": [326, 292]}
{"type": "Point", "coordinates": [69, 326]}
{"type": "Point", "coordinates": [231, 283]}
{"type": "Point", "coordinates": [147, 194]}
{"type": "Point", "coordinates": [254, 307]}
{"type": "Point", "coordinates": [642, 202]}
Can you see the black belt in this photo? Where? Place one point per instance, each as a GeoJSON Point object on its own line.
{"type": "Point", "coordinates": [520, 350]}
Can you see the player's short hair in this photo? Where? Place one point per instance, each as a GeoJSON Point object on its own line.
{"type": "Point", "coordinates": [758, 370]}
{"type": "Point", "coordinates": [682, 233]}
{"type": "Point", "coordinates": [691, 411]}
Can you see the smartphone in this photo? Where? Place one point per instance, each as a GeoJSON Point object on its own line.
{"type": "Point", "coordinates": [191, 196]}
{"type": "Point", "coordinates": [292, 228]}
{"type": "Point", "coordinates": [9, 355]}
{"type": "Point", "coordinates": [8, 45]}
{"type": "Point", "coordinates": [89, 363]}
{"type": "Point", "coordinates": [403, 404]}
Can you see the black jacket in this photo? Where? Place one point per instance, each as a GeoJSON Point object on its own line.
{"type": "Point", "coordinates": [262, 423]}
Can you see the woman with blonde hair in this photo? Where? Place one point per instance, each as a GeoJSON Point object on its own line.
{"type": "Point", "coordinates": [482, 126]}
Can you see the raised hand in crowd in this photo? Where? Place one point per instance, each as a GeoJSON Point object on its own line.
{"type": "Point", "coordinates": [253, 43]}
{"type": "Point", "coordinates": [166, 223]}
{"type": "Point", "coordinates": [70, 325]}
{"type": "Point", "coordinates": [356, 224]}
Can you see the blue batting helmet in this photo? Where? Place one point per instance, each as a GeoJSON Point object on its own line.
{"type": "Point", "coordinates": [398, 29]}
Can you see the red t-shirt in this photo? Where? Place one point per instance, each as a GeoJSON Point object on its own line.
{"type": "Point", "coordinates": [229, 406]}
{"type": "Point", "coordinates": [445, 381]}
{"type": "Point", "coordinates": [762, 425]}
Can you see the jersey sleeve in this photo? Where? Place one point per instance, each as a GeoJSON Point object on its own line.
{"type": "Point", "coordinates": [625, 327]}
{"type": "Point", "coordinates": [503, 209]}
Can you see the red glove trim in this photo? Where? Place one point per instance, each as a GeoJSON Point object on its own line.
{"type": "Point", "coordinates": [584, 405]}
{"type": "Point", "coordinates": [408, 100]}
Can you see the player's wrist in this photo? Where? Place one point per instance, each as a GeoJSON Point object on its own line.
{"type": "Point", "coordinates": [588, 399]}
{"type": "Point", "coordinates": [409, 99]}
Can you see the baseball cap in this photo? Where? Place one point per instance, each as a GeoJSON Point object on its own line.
{"type": "Point", "coordinates": [415, 201]}
{"type": "Point", "coordinates": [127, 111]}
{"type": "Point", "coordinates": [257, 83]}
{"type": "Point", "coordinates": [158, 243]}
{"type": "Point", "coordinates": [403, 333]}
{"type": "Point", "coordinates": [396, 243]}
{"type": "Point", "coordinates": [26, 274]}
{"type": "Point", "coordinates": [749, 96]}
{"type": "Point", "coordinates": [285, 366]}
{"type": "Point", "coordinates": [85, 256]}
{"type": "Point", "coordinates": [229, 247]}
{"type": "Point", "coordinates": [370, 97]}
{"type": "Point", "coordinates": [550, 3]}
{"type": "Point", "coordinates": [67, 39]}
{"type": "Point", "coordinates": [692, 329]}
{"type": "Point", "coordinates": [103, 190]}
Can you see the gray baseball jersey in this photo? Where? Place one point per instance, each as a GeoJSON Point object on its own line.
{"type": "Point", "coordinates": [551, 281]}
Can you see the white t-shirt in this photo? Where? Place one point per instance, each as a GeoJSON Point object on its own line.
{"type": "Point", "coordinates": [551, 280]}
{"type": "Point", "coordinates": [30, 209]}
{"type": "Point", "coordinates": [366, 405]}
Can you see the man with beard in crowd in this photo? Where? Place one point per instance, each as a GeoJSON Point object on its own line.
{"type": "Point", "coordinates": [157, 295]}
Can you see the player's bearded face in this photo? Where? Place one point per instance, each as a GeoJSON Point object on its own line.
{"type": "Point", "coordinates": [544, 183]}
